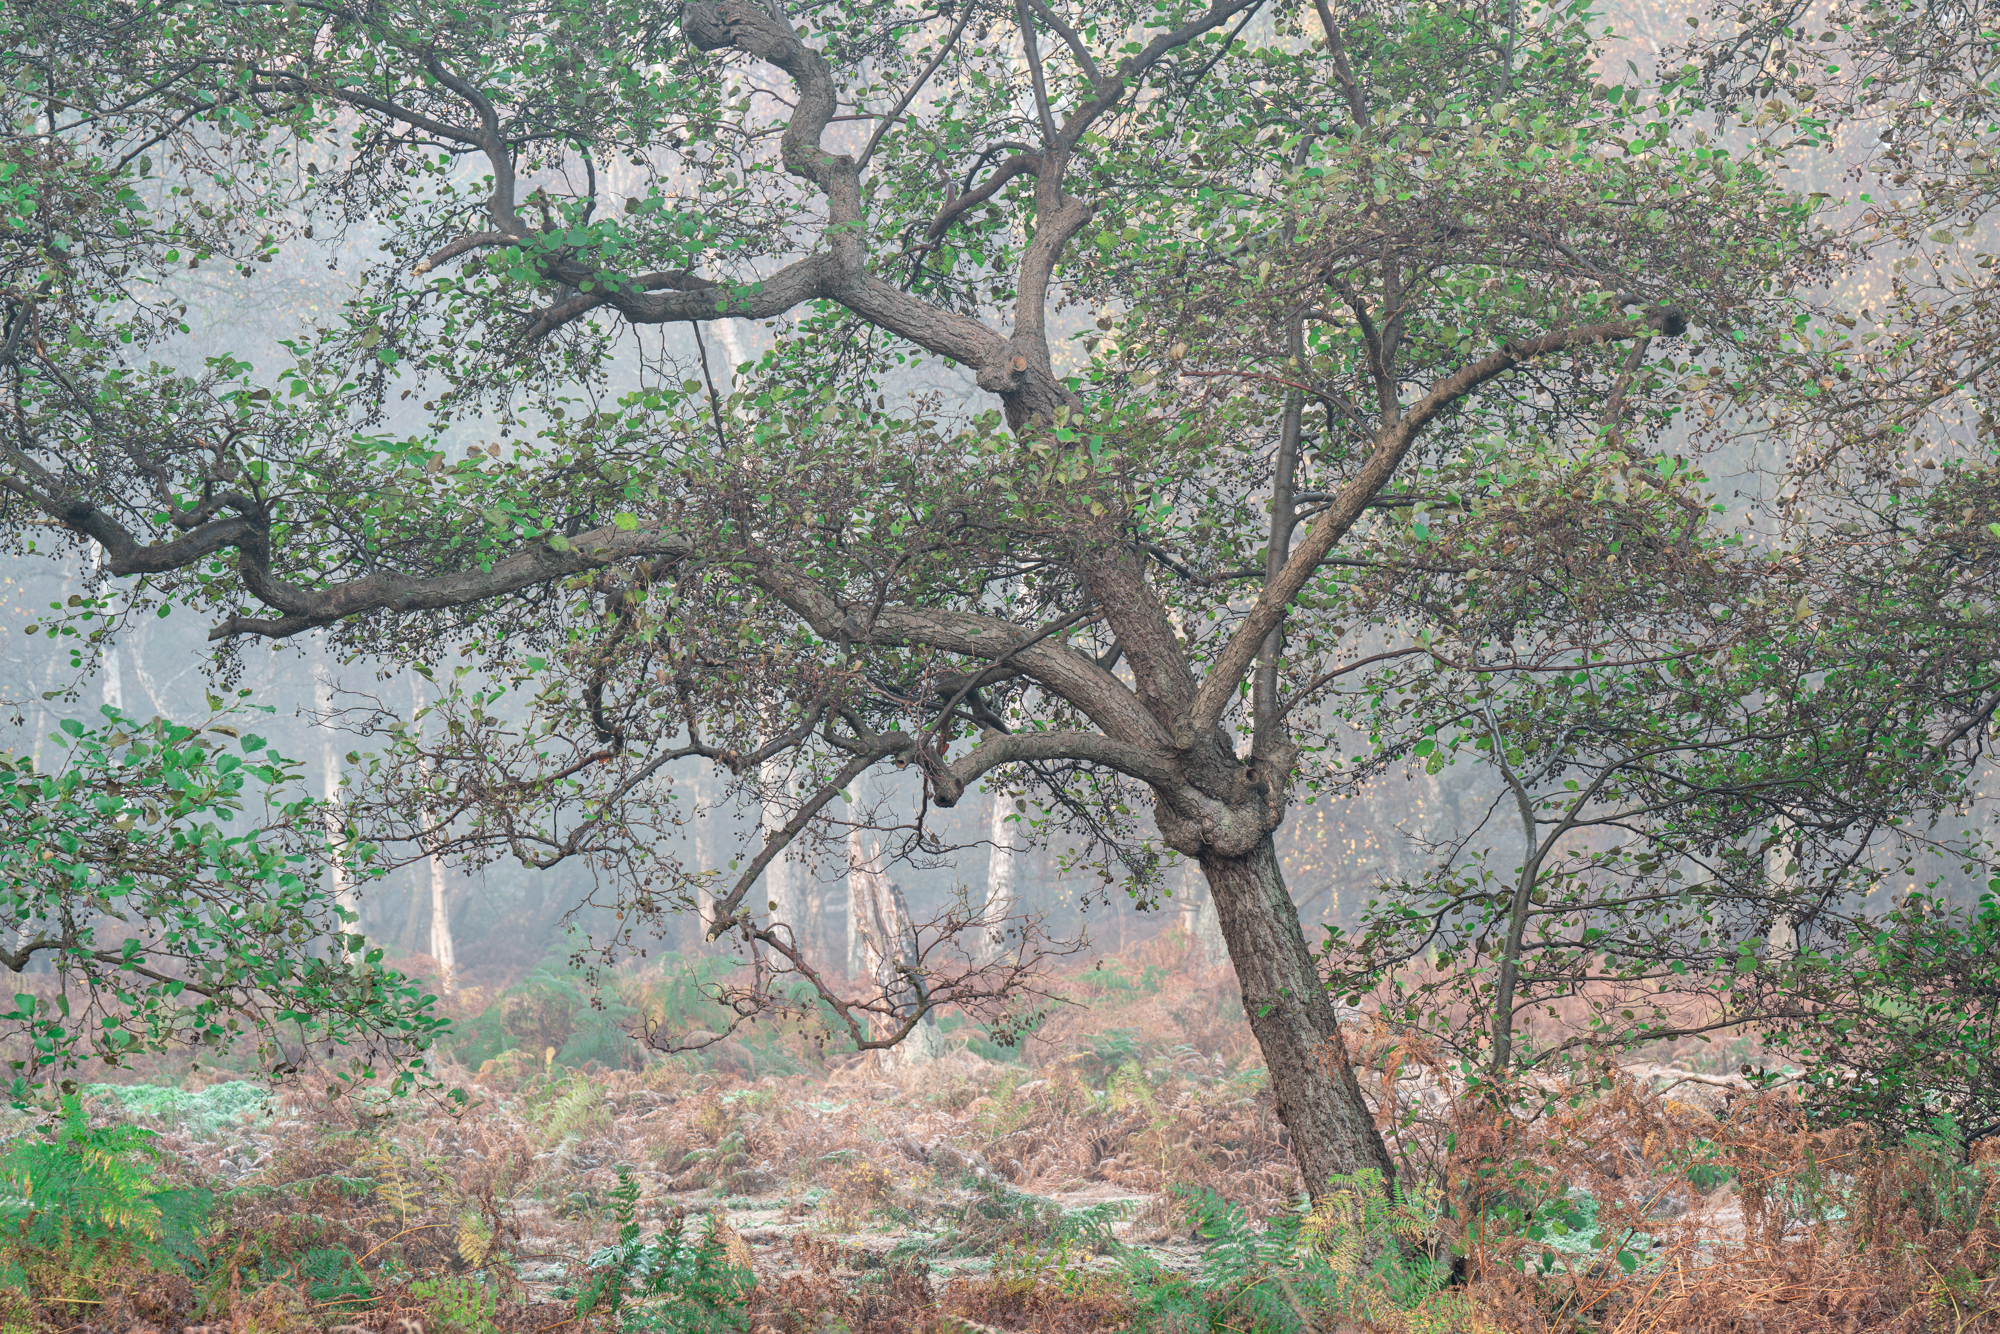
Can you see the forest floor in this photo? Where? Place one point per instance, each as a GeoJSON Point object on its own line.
{"type": "Point", "coordinates": [1132, 1174]}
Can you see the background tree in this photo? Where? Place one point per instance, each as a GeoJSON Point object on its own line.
{"type": "Point", "coordinates": [1715, 749]}
{"type": "Point", "coordinates": [1433, 226]}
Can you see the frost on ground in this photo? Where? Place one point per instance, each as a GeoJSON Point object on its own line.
{"type": "Point", "coordinates": [1129, 1172]}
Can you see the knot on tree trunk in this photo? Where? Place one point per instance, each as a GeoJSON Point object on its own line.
{"type": "Point", "coordinates": [1027, 386]}
{"type": "Point", "coordinates": [1005, 373]}
{"type": "Point", "coordinates": [1193, 824]}
{"type": "Point", "coordinates": [717, 27]}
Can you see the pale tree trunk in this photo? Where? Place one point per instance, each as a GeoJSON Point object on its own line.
{"type": "Point", "coordinates": [858, 891]}
{"type": "Point", "coordinates": [1001, 893]}
{"type": "Point", "coordinates": [1294, 1021]}
{"type": "Point", "coordinates": [704, 854]}
{"type": "Point", "coordinates": [1198, 920]}
{"type": "Point", "coordinates": [890, 940]}
{"type": "Point", "coordinates": [114, 677]}
{"type": "Point", "coordinates": [442, 947]}
{"type": "Point", "coordinates": [780, 877]}
{"type": "Point", "coordinates": [336, 838]}
{"type": "Point", "coordinates": [734, 350]}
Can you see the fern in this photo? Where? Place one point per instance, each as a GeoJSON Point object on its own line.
{"type": "Point", "coordinates": [455, 1305]}
{"type": "Point", "coordinates": [332, 1278]}
{"type": "Point", "coordinates": [625, 1204]}
{"type": "Point", "coordinates": [475, 1240]}
{"type": "Point", "coordinates": [1338, 1259]}
{"type": "Point", "coordinates": [1090, 1226]}
{"type": "Point", "coordinates": [92, 1188]}
{"type": "Point", "coordinates": [396, 1188]}
{"type": "Point", "coordinates": [576, 1112]}
{"type": "Point", "coordinates": [668, 1284]}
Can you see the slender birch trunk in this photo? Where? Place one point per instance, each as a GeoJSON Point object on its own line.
{"type": "Point", "coordinates": [704, 854]}
{"type": "Point", "coordinates": [858, 891]}
{"type": "Point", "coordinates": [1001, 893]}
{"type": "Point", "coordinates": [442, 946]}
{"type": "Point", "coordinates": [113, 684]}
{"type": "Point", "coordinates": [344, 895]}
{"type": "Point", "coordinates": [891, 942]}
{"type": "Point", "coordinates": [780, 875]}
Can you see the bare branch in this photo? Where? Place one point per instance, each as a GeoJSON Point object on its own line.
{"type": "Point", "coordinates": [861, 163]}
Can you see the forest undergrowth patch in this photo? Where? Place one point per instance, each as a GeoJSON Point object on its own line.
{"type": "Point", "coordinates": [1131, 1176]}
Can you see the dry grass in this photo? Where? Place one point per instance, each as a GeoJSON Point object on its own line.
{"type": "Point", "coordinates": [873, 1198]}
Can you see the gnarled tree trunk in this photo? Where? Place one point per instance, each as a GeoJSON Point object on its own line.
{"type": "Point", "coordinates": [1319, 1100]}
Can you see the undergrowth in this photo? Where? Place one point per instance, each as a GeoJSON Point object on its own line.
{"type": "Point", "coordinates": [678, 1200]}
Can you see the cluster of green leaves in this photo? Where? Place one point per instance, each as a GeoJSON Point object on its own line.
{"type": "Point", "coordinates": [459, 1305]}
{"type": "Point", "coordinates": [1898, 1023]}
{"type": "Point", "coordinates": [145, 923]}
{"type": "Point", "coordinates": [1697, 742]}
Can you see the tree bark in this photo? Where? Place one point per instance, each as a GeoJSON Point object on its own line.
{"type": "Point", "coordinates": [1000, 891]}
{"type": "Point", "coordinates": [781, 899]}
{"type": "Point", "coordinates": [1319, 1099]}
{"type": "Point", "coordinates": [703, 818]}
{"type": "Point", "coordinates": [859, 868]}
{"type": "Point", "coordinates": [443, 948]}
{"type": "Point", "coordinates": [1197, 907]}
{"type": "Point", "coordinates": [329, 759]}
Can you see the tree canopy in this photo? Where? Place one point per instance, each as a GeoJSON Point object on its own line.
{"type": "Point", "coordinates": [1262, 343]}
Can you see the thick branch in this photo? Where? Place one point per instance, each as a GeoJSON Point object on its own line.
{"type": "Point", "coordinates": [1063, 671]}
{"type": "Point", "coordinates": [1148, 766]}
{"type": "Point", "coordinates": [306, 608]}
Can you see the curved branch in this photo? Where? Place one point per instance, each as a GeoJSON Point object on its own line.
{"type": "Point", "coordinates": [724, 913]}
{"type": "Point", "coordinates": [305, 609]}
{"type": "Point", "coordinates": [1148, 766]}
{"type": "Point", "coordinates": [1073, 676]}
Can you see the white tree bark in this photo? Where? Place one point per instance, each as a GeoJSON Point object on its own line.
{"type": "Point", "coordinates": [443, 948]}
{"type": "Point", "coordinates": [858, 892]}
{"type": "Point", "coordinates": [735, 351]}
{"type": "Point", "coordinates": [1198, 920]}
{"type": "Point", "coordinates": [1190, 901]}
{"type": "Point", "coordinates": [704, 851]}
{"type": "Point", "coordinates": [890, 940]}
{"type": "Point", "coordinates": [780, 876]}
{"type": "Point", "coordinates": [113, 683]}
{"type": "Point", "coordinates": [329, 757]}
{"type": "Point", "coordinates": [1001, 890]}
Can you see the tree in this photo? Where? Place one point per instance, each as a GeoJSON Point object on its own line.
{"type": "Point", "coordinates": [1716, 750]}
{"type": "Point", "coordinates": [140, 924]}
{"type": "Point", "coordinates": [1429, 225]}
